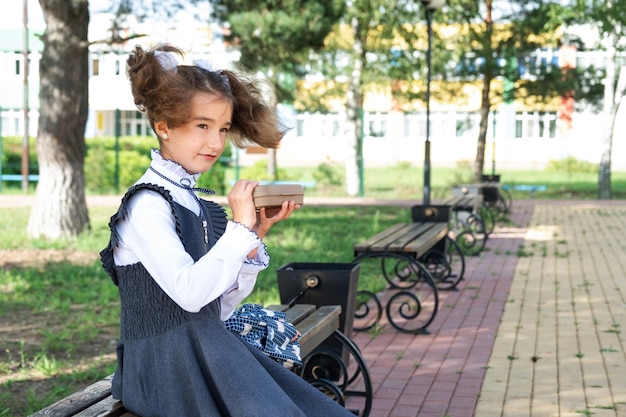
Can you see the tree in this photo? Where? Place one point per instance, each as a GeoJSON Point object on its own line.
{"type": "Point", "coordinates": [609, 20]}
{"type": "Point", "coordinates": [275, 37]}
{"type": "Point", "coordinates": [60, 209]}
{"type": "Point", "coordinates": [375, 46]}
{"type": "Point", "coordinates": [498, 38]}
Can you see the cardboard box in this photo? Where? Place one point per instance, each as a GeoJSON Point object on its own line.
{"type": "Point", "coordinates": [273, 195]}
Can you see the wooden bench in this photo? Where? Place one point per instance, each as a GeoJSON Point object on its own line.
{"type": "Point", "coordinates": [459, 201]}
{"type": "Point", "coordinates": [470, 222]}
{"type": "Point", "coordinates": [524, 187]}
{"type": "Point", "coordinates": [495, 196]}
{"type": "Point", "coordinates": [415, 262]}
{"type": "Point", "coordinates": [314, 324]}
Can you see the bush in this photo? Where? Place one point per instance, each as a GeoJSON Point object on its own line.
{"type": "Point", "coordinates": [328, 174]}
{"type": "Point", "coordinates": [101, 173]}
{"type": "Point", "coordinates": [133, 157]}
{"type": "Point", "coordinates": [258, 171]}
{"type": "Point", "coordinates": [571, 165]}
{"type": "Point", "coordinates": [12, 155]}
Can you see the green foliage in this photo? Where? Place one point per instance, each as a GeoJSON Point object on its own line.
{"type": "Point", "coordinates": [571, 165]}
{"type": "Point", "coordinates": [328, 174]}
{"type": "Point", "coordinates": [520, 30]}
{"type": "Point", "coordinates": [12, 150]}
{"type": "Point", "coordinates": [258, 172]}
{"type": "Point", "coordinates": [276, 37]}
{"type": "Point", "coordinates": [128, 160]}
{"type": "Point", "coordinates": [607, 17]}
{"type": "Point", "coordinates": [376, 47]}
{"type": "Point", "coordinates": [112, 166]}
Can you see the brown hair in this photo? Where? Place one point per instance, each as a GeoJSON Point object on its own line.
{"type": "Point", "coordinates": [165, 95]}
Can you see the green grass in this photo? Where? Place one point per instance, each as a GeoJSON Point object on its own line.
{"type": "Point", "coordinates": [405, 182]}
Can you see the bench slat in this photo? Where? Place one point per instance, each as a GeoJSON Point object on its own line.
{"type": "Point", "coordinates": [428, 239]}
{"type": "Point", "coordinates": [314, 325]}
{"type": "Point", "coordinates": [397, 242]}
{"type": "Point", "coordinates": [299, 312]}
{"type": "Point", "coordinates": [461, 201]}
{"type": "Point", "coordinates": [109, 407]}
{"type": "Point", "coordinates": [415, 238]}
{"type": "Point", "coordinates": [318, 327]}
{"type": "Point", "coordinates": [398, 232]}
{"type": "Point", "coordinates": [78, 401]}
{"type": "Point", "coordinates": [374, 239]}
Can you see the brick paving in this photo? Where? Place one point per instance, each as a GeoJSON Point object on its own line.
{"type": "Point", "coordinates": [535, 329]}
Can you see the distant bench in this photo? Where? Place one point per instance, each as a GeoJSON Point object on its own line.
{"type": "Point", "coordinates": [18, 177]}
{"type": "Point", "coordinates": [471, 222]}
{"type": "Point", "coordinates": [416, 261]}
{"type": "Point", "coordinates": [525, 187]}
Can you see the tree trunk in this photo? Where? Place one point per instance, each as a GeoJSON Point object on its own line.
{"type": "Point", "coordinates": [354, 107]}
{"type": "Point", "coordinates": [272, 172]}
{"type": "Point", "coordinates": [485, 103]}
{"type": "Point", "coordinates": [60, 209]}
{"type": "Point", "coordinates": [485, 106]}
{"type": "Point", "coordinates": [609, 115]}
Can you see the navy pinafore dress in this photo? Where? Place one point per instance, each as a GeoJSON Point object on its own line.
{"type": "Point", "coordinates": [174, 363]}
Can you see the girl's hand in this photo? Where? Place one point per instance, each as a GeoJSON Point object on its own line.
{"type": "Point", "coordinates": [269, 216]}
{"type": "Point", "coordinates": [242, 204]}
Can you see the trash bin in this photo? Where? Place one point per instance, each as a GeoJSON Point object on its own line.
{"type": "Point", "coordinates": [322, 284]}
{"type": "Point", "coordinates": [434, 213]}
{"type": "Point", "coordinates": [490, 193]}
{"type": "Point", "coordinates": [490, 178]}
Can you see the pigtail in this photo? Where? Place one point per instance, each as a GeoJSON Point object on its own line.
{"type": "Point", "coordinates": [254, 120]}
{"type": "Point", "coordinates": [163, 89]}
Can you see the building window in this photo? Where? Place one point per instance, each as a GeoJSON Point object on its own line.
{"type": "Point", "coordinates": [95, 66]}
{"type": "Point", "coordinates": [464, 126]}
{"type": "Point", "coordinates": [299, 127]}
{"type": "Point", "coordinates": [518, 128]}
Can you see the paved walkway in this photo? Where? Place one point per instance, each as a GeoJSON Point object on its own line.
{"type": "Point", "coordinates": [537, 328]}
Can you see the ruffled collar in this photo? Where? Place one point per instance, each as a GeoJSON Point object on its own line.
{"type": "Point", "coordinates": [175, 171]}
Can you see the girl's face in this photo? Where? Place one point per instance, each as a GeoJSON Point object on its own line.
{"type": "Point", "coordinates": [199, 143]}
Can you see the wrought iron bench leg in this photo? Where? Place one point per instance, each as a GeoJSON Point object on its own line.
{"type": "Point", "coordinates": [351, 386]}
{"type": "Point", "coordinates": [413, 296]}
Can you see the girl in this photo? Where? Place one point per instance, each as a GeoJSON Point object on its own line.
{"type": "Point", "coordinates": [182, 267]}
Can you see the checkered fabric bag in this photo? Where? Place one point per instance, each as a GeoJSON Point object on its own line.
{"type": "Point", "coordinates": [268, 331]}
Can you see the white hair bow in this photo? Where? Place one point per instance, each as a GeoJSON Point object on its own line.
{"type": "Point", "coordinates": [167, 60]}
{"type": "Point", "coordinates": [204, 64]}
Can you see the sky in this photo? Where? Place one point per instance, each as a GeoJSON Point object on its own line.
{"type": "Point", "coordinates": [13, 16]}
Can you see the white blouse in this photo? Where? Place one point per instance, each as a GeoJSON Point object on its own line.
{"type": "Point", "coordinates": [148, 235]}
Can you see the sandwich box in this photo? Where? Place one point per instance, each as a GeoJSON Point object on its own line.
{"type": "Point", "coordinates": [273, 195]}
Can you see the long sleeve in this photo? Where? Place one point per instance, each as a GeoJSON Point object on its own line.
{"type": "Point", "coordinates": [148, 235]}
{"type": "Point", "coordinates": [245, 282]}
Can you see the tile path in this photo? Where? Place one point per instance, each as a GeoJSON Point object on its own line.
{"type": "Point", "coordinates": [537, 328]}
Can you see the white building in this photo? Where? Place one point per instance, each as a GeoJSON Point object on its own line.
{"type": "Point", "coordinates": [520, 139]}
